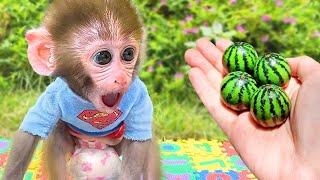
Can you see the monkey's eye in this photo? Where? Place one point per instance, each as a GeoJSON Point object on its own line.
{"type": "Point", "coordinates": [102, 57]}
{"type": "Point", "coordinates": [128, 54]}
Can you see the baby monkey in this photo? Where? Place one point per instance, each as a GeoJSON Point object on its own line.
{"type": "Point", "coordinates": [94, 48]}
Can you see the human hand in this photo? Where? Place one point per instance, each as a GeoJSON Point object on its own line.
{"type": "Point", "coordinates": [289, 151]}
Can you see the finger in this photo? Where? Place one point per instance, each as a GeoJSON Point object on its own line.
{"type": "Point", "coordinates": [195, 59]}
{"type": "Point", "coordinates": [211, 99]}
{"type": "Point", "coordinates": [223, 44]}
{"type": "Point", "coordinates": [302, 67]}
{"type": "Point", "coordinates": [210, 52]}
{"type": "Point", "coordinates": [292, 87]}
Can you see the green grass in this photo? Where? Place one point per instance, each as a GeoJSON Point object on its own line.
{"type": "Point", "coordinates": [13, 107]}
{"type": "Point", "coordinates": [173, 119]}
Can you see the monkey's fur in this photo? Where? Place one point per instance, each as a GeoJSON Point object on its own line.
{"type": "Point", "coordinates": [69, 26]}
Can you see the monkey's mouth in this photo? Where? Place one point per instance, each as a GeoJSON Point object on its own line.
{"type": "Point", "coordinates": [111, 99]}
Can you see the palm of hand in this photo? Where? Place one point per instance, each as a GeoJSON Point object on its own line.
{"type": "Point", "coordinates": [269, 153]}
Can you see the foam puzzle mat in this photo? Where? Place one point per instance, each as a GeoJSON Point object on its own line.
{"type": "Point", "coordinates": [181, 160]}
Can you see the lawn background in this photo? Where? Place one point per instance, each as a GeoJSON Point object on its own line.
{"type": "Point", "coordinates": [289, 27]}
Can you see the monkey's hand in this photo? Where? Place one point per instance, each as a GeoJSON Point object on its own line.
{"type": "Point", "coordinates": [135, 155]}
{"type": "Point", "coordinates": [23, 147]}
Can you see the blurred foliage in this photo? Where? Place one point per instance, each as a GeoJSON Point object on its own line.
{"type": "Point", "coordinates": [19, 17]}
{"type": "Point", "coordinates": [14, 106]}
{"type": "Point", "coordinates": [289, 27]}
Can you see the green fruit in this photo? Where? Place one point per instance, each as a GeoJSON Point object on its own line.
{"type": "Point", "coordinates": [270, 106]}
{"type": "Point", "coordinates": [237, 89]}
{"type": "Point", "coordinates": [272, 69]}
{"type": "Point", "coordinates": [240, 56]}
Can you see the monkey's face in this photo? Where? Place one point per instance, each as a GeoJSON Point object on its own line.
{"type": "Point", "coordinates": [94, 45]}
{"type": "Point", "coordinates": [110, 65]}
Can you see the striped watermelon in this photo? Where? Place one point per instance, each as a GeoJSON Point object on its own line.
{"type": "Point", "coordinates": [272, 69]}
{"type": "Point", "coordinates": [240, 56]}
{"type": "Point", "coordinates": [237, 89]}
{"type": "Point", "coordinates": [270, 106]}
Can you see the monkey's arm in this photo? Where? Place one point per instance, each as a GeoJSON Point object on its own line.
{"type": "Point", "coordinates": [135, 154]}
{"type": "Point", "coordinates": [38, 122]}
{"type": "Point", "coordinates": [23, 147]}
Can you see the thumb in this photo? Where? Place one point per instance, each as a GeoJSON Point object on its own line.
{"type": "Point", "coordinates": [302, 67]}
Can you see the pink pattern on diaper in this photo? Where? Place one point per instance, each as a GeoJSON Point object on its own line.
{"type": "Point", "coordinates": [86, 167]}
{"type": "Point", "coordinates": [104, 160]}
{"type": "Point", "coordinates": [100, 178]}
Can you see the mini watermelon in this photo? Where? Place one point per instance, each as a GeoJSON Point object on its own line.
{"type": "Point", "coordinates": [240, 56]}
{"type": "Point", "coordinates": [237, 89]}
{"type": "Point", "coordinates": [272, 69]}
{"type": "Point", "coordinates": [270, 106]}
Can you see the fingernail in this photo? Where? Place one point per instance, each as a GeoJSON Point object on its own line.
{"type": "Point", "coordinates": [213, 41]}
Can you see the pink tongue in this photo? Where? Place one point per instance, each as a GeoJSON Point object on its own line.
{"type": "Point", "coordinates": [110, 99]}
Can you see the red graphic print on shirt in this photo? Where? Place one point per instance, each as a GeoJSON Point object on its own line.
{"type": "Point", "coordinates": [98, 119]}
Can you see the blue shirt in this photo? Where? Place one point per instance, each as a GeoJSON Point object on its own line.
{"type": "Point", "coordinates": [59, 102]}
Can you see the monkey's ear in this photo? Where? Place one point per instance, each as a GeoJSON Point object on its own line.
{"type": "Point", "coordinates": [40, 54]}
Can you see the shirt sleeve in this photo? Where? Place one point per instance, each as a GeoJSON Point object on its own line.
{"type": "Point", "coordinates": [43, 116]}
{"type": "Point", "coordinates": [139, 120]}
